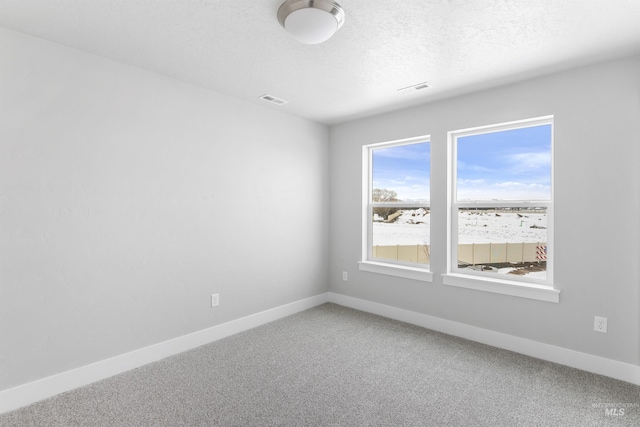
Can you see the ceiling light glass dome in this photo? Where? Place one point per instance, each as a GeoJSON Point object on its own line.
{"type": "Point", "coordinates": [311, 21]}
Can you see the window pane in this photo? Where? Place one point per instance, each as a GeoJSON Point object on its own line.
{"type": "Point", "coordinates": [401, 173]}
{"type": "Point", "coordinates": [401, 234]}
{"type": "Point", "coordinates": [503, 240]}
{"type": "Point", "coordinates": [507, 165]}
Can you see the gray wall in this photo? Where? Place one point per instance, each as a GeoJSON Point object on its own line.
{"type": "Point", "coordinates": [597, 195]}
{"type": "Point", "coordinates": [127, 198]}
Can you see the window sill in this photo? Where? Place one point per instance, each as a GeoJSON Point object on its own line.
{"type": "Point", "coordinates": [504, 287]}
{"type": "Point", "coordinates": [406, 272]}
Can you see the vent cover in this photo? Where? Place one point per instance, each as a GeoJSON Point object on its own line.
{"type": "Point", "coordinates": [413, 89]}
{"type": "Point", "coordinates": [272, 99]}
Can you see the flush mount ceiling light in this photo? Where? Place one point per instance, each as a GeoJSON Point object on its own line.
{"type": "Point", "coordinates": [311, 21]}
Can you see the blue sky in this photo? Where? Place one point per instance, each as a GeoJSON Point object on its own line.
{"type": "Point", "coordinates": [404, 169]}
{"type": "Point", "coordinates": [507, 165]}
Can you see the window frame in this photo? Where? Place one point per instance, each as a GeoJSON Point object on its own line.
{"type": "Point", "coordinates": [527, 287]}
{"type": "Point", "coordinates": [386, 266]}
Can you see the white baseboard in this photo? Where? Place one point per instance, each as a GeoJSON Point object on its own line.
{"type": "Point", "coordinates": [35, 391]}
{"type": "Point", "coordinates": [575, 359]}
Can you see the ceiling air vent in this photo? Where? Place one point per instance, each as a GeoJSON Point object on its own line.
{"type": "Point", "coordinates": [413, 89]}
{"type": "Point", "coordinates": [273, 99]}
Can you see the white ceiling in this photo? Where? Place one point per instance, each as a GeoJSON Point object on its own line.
{"type": "Point", "coordinates": [238, 48]}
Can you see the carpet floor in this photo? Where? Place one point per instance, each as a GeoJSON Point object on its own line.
{"type": "Point", "coordinates": [334, 366]}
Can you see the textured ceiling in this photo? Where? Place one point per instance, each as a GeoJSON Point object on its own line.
{"type": "Point", "coordinates": [238, 48]}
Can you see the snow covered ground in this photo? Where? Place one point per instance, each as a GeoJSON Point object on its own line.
{"type": "Point", "coordinates": [412, 228]}
{"type": "Point", "coordinates": [511, 227]}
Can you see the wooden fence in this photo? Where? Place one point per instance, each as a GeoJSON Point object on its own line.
{"type": "Point", "coordinates": [474, 253]}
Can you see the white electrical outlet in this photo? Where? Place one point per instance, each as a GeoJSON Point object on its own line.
{"type": "Point", "coordinates": [345, 276]}
{"type": "Point", "coordinates": [215, 300]}
{"type": "Point", "coordinates": [600, 324]}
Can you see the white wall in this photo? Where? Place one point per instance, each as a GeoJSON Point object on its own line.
{"type": "Point", "coordinates": [597, 195]}
{"type": "Point", "coordinates": [127, 198]}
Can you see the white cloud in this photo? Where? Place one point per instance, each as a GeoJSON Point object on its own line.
{"type": "Point", "coordinates": [505, 191]}
{"type": "Point", "coordinates": [520, 185]}
{"type": "Point", "coordinates": [470, 182]}
{"type": "Point", "coordinates": [525, 162]}
{"type": "Point", "coordinates": [410, 152]}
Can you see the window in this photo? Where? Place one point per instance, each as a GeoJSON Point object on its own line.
{"type": "Point", "coordinates": [501, 210]}
{"type": "Point", "coordinates": [396, 214]}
